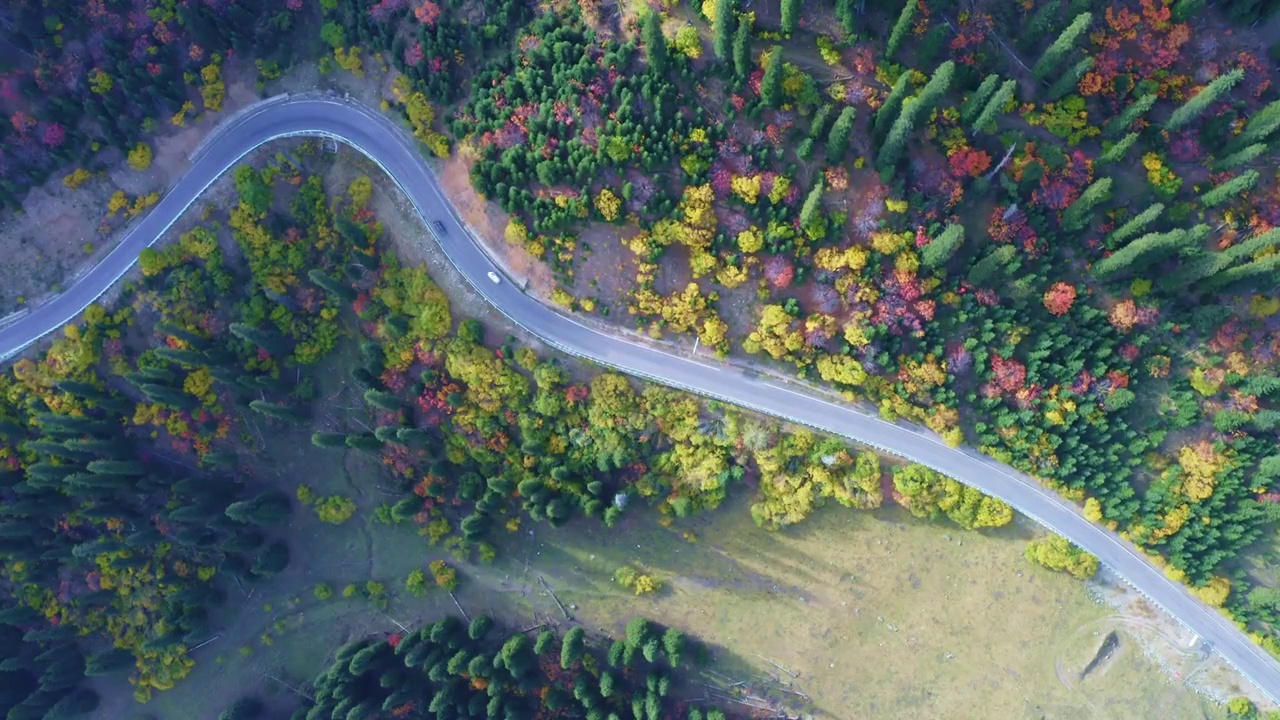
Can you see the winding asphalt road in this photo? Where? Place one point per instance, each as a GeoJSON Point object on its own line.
{"type": "Point", "coordinates": [397, 153]}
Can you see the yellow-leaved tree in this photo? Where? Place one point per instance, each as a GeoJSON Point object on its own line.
{"type": "Point", "coordinates": [140, 157]}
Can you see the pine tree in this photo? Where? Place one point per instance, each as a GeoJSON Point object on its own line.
{"type": "Point", "coordinates": [1069, 81]}
{"type": "Point", "coordinates": [1240, 157]}
{"type": "Point", "coordinates": [723, 28]}
{"type": "Point", "coordinates": [1135, 110]}
{"type": "Point", "coordinates": [264, 339]}
{"type": "Point", "coordinates": [1207, 96]}
{"type": "Point", "coordinates": [771, 83]}
{"type": "Point", "coordinates": [1078, 213]}
{"type": "Point", "coordinates": [986, 121]}
{"type": "Point", "coordinates": [810, 212]}
{"type": "Point", "coordinates": [1135, 225]}
{"type": "Point", "coordinates": [655, 45]}
{"type": "Point", "coordinates": [364, 441]}
{"type": "Point", "coordinates": [275, 410]}
{"type": "Point", "coordinates": [1234, 187]}
{"type": "Point", "coordinates": [383, 400]}
{"type": "Point", "coordinates": [929, 95]}
{"type": "Point", "coordinates": [937, 86]}
{"type": "Point", "coordinates": [790, 15]}
{"type": "Point", "coordinates": [171, 397]}
{"type": "Point", "coordinates": [1265, 269]}
{"type": "Point", "coordinates": [939, 250]}
{"type": "Point", "coordinates": [1261, 125]}
{"type": "Point", "coordinates": [1260, 243]}
{"type": "Point", "coordinates": [742, 47]}
{"type": "Point", "coordinates": [896, 142]}
{"type": "Point", "coordinates": [269, 508]}
{"type": "Point", "coordinates": [991, 266]}
{"type": "Point", "coordinates": [847, 16]}
{"type": "Point", "coordinates": [337, 288]}
{"type": "Point", "coordinates": [838, 138]}
{"type": "Point", "coordinates": [185, 358]}
{"type": "Point", "coordinates": [1142, 253]}
{"type": "Point", "coordinates": [329, 440]}
{"type": "Point", "coordinates": [1061, 47]}
{"type": "Point", "coordinates": [888, 112]}
{"type": "Point", "coordinates": [977, 99]}
{"type": "Point", "coordinates": [571, 646]}
{"type": "Point", "coordinates": [1116, 152]}
{"type": "Point", "coordinates": [900, 28]}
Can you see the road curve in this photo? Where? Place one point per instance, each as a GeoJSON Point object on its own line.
{"type": "Point", "coordinates": [396, 152]}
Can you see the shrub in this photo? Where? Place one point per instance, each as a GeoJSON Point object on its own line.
{"type": "Point", "coordinates": [335, 509]}
{"type": "Point", "coordinates": [637, 582]}
{"type": "Point", "coordinates": [445, 576]}
{"type": "Point", "coordinates": [140, 157]}
{"type": "Point", "coordinates": [416, 583]}
{"type": "Point", "coordinates": [324, 591]}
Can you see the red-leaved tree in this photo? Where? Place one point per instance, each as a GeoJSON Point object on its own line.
{"type": "Point", "coordinates": [1059, 298]}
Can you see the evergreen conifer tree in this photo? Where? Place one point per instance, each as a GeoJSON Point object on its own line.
{"type": "Point", "coordinates": [771, 83]}
{"type": "Point", "coordinates": [986, 121]}
{"type": "Point", "coordinates": [939, 250]}
{"type": "Point", "coordinates": [1201, 101]}
{"type": "Point", "coordinates": [901, 28]}
{"type": "Point", "coordinates": [1078, 213]}
{"type": "Point", "coordinates": [1061, 47]}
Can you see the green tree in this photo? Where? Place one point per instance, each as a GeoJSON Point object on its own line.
{"type": "Point", "coordinates": [992, 266]}
{"type": "Point", "coordinates": [901, 28]}
{"type": "Point", "coordinates": [771, 83]}
{"type": "Point", "coordinates": [1061, 47]}
{"type": "Point", "coordinates": [1260, 125]}
{"type": "Point", "coordinates": [1234, 187]}
{"type": "Point", "coordinates": [1208, 95]}
{"type": "Point", "coordinates": [986, 121]}
{"type": "Point", "coordinates": [1240, 157]}
{"type": "Point", "coordinates": [571, 646]}
{"type": "Point", "coordinates": [811, 211]}
{"type": "Point", "coordinates": [329, 440]}
{"type": "Point", "coordinates": [977, 100]}
{"type": "Point", "coordinates": [790, 15]}
{"type": "Point", "coordinates": [480, 627]}
{"type": "Point", "coordinates": [265, 339]}
{"type": "Point", "coordinates": [1069, 81]}
{"type": "Point", "coordinates": [655, 45]}
{"type": "Point", "coordinates": [1078, 213]}
{"type": "Point", "coordinates": [673, 645]}
{"type": "Point", "coordinates": [339, 289]}
{"type": "Point", "coordinates": [1117, 150]}
{"type": "Point", "coordinates": [841, 131]}
{"type": "Point", "coordinates": [742, 62]}
{"type": "Point", "coordinates": [1057, 553]}
{"type": "Point", "coordinates": [939, 250]}
{"type": "Point", "coordinates": [269, 508]}
{"type": "Point", "coordinates": [846, 13]}
{"type": "Point", "coordinates": [723, 29]}
{"type": "Point", "coordinates": [1136, 109]}
{"type": "Point", "coordinates": [1135, 224]}
{"type": "Point", "coordinates": [924, 101]}
{"type": "Point", "coordinates": [892, 106]}
{"type": "Point", "coordinates": [1142, 253]}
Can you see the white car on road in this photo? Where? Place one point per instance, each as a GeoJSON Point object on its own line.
{"type": "Point", "coordinates": [494, 277]}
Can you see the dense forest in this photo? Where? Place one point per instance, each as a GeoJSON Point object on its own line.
{"type": "Point", "coordinates": [1108, 326]}
{"type": "Point", "coordinates": [131, 502]}
{"type": "Point", "coordinates": [458, 670]}
{"type": "Point", "coordinates": [1046, 229]}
